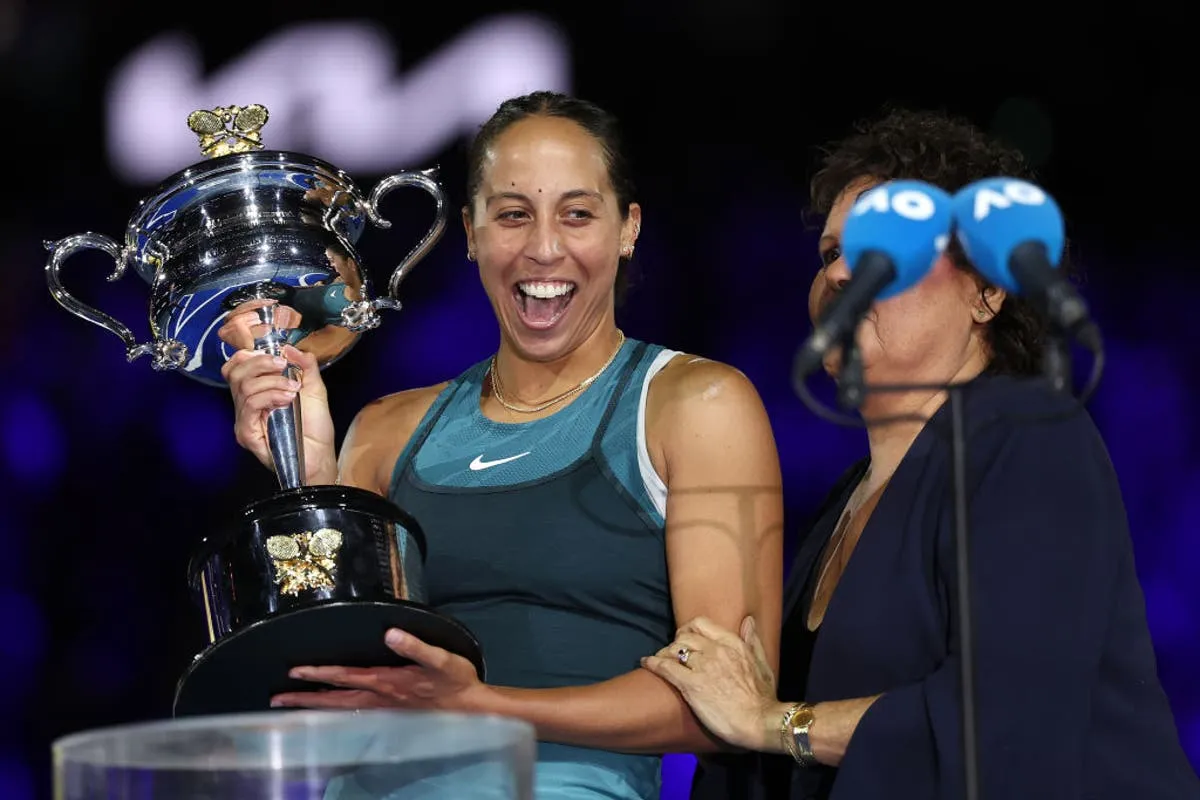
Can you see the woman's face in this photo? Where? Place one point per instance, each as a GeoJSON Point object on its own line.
{"type": "Point", "coordinates": [933, 332]}
{"type": "Point", "coordinates": [547, 233]}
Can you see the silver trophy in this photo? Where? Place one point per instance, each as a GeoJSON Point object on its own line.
{"type": "Point", "coordinates": [311, 574]}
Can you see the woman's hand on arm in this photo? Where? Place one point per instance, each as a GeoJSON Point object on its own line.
{"type": "Point", "coordinates": [726, 680]}
{"type": "Point", "coordinates": [730, 685]}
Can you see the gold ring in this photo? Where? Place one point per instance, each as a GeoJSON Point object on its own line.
{"type": "Point", "coordinates": [683, 654]}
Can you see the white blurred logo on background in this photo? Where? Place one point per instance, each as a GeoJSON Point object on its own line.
{"type": "Point", "coordinates": [335, 90]}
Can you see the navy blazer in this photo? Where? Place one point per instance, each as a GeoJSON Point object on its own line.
{"type": "Point", "coordinates": [1068, 700]}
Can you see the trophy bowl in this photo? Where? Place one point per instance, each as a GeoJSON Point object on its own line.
{"type": "Point", "coordinates": [249, 224]}
{"type": "Point", "coordinates": [311, 575]}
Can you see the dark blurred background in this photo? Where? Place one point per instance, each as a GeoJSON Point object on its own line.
{"type": "Point", "coordinates": [110, 473]}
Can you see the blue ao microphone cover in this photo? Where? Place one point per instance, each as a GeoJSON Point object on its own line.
{"type": "Point", "coordinates": [890, 240]}
{"type": "Point", "coordinates": [1012, 231]}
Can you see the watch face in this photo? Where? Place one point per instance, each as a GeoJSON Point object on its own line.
{"type": "Point", "coordinates": [803, 717]}
{"type": "Point", "coordinates": [800, 748]}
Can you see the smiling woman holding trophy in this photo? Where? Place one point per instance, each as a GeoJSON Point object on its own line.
{"type": "Point", "coordinates": [580, 492]}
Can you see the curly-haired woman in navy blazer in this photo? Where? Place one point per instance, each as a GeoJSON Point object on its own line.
{"type": "Point", "coordinates": [867, 705]}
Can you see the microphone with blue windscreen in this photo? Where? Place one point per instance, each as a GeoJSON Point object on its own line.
{"type": "Point", "coordinates": [890, 239]}
{"type": "Point", "coordinates": [1013, 233]}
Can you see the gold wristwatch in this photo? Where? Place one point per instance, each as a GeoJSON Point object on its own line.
{"type": "Point", "coordinates": [794, 732]}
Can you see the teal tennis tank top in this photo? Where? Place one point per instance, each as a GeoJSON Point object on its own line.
{"type": "Point", "coordinates": [545, 541]}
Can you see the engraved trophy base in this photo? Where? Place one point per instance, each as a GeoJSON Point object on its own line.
{"type": "Point", "coordinates": [241, 671]}
{"type": "Point", "coordinates": [308, 576]}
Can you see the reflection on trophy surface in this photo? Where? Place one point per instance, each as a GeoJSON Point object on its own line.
{"type": "Point", "coordinates": [259, 246]}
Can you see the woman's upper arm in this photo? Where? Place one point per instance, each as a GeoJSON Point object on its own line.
{"type": "Point", "coordinates": [377, 435]}
{"type": "Point", "coordinates": [712, 440]}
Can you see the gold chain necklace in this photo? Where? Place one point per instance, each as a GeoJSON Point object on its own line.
{"type": "Point", "coordinates": [844, 523]}
{"type": "Point", "coordinates": [498, 389]}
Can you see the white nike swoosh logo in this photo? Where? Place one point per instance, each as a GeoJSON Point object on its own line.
{"type": "Point", "coordinates": [479, 463]}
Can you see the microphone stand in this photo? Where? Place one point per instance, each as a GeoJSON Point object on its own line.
{"type": "Point", "coordinates": [852, 390]}
{"type": "Point", "coordinates": [851, 383]}
{"type": "Point", "coordinates": [966, 629]}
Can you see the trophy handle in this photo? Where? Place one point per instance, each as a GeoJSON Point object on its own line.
{"type": "Point", "coordinates": [424, 179]}
{"type": "Point", "coordinates": [165, 354]}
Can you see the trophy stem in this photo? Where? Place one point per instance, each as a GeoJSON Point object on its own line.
{"type": "Point", "coordinates": [285, 428]}
{"type": "Point", "coordinates": [286, 437]}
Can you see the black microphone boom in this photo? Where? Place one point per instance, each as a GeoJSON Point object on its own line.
{"type": "Point", "coordinates": [872, 275]}
{"type": "Point", "coordinates": [1043, 284]}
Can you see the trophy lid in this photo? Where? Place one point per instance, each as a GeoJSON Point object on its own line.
{"type": "Point", "coordinates": [231, 140]}
{"type": "Point", "coordinates": [231, 137]}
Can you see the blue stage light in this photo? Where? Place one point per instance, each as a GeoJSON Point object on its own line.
{"type": "Point", "coordinates": [34, 446]}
